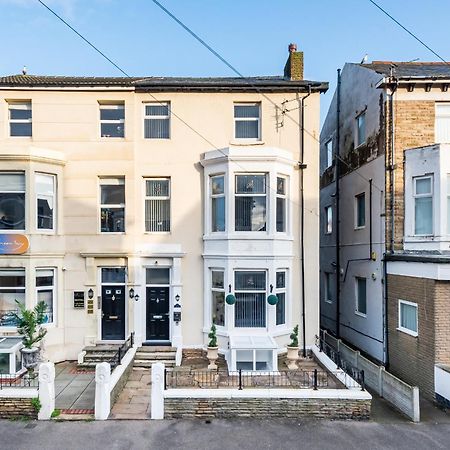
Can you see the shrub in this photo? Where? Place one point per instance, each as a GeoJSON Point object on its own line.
{"type": "Point", "coordinates": [212, 337]}
{"type": "Point", "coordinates": [294, 337]}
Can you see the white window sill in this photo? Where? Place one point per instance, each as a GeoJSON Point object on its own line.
{"type": "Point", "coordinates": [407, 331]}
{"type": "Point", "coordinates": [249, 235]}
{"type": "Point", "coordinates": [360, 314]}
{"type": "Point", "coordinates": [107, 233]}
{"type": "Point", "coordinates": [158, 233]}
{"type": "Point", "coordinates": [246, 142]}
{"type": "Point", "coordinates": [360, 228]}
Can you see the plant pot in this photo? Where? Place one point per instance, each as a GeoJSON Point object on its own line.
{"type": "Point", "coordinates": [30, 358]}
{"type": "Point", "coordinates": [292, 358]}
{"type": "Point", "coordinates": [212, 355]}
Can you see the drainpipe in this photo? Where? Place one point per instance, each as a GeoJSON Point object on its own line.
{"type": "Point", "coordinates": [392, 163]}
{"type": "Point", "coordinates": [302, 167]}
{"type": "Point", "coordinates": [370, 220]}
{"type": "Point", "coordinates": [337, 175]}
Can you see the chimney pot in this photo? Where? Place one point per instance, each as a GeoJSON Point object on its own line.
{"type": "Point", "coordinates": [292, 47]}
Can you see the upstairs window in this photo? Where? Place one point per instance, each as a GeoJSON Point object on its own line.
{"type": "Point", "coordinates": [281, 204]}
{"type": "Point", "coordinates": [20, 119]}
{"type": "Point", "coordinates": [361, 129]}
{"type": "Point", "coordinates": [12, 201]}
{"type": "Point", "coordinates": [361, 295]}
{"type": "Point", "coordinates": [112, 120]}
{"type": "Point", "coordinates": [218, 297]}
{"type": "Point", "coordinates": [247, 121]}
{"type": "Point", "coordinates": [250, 202]}
{"type": "Point", "coordinates": [329, 148]}
{"type": "Point", "coordinates": [448, 203]}
{"type": "Point", "coordinates": [157, 205]}
{"type": "Point", "coordinates": [442, 123]}
{"type": "Point", "coordinates": [45, 201]}
{"type": "Point", "coordinates": [217, 203]}
{"type": "Point", "coordinates": [407, 317]}
{"type": "Point", "coordinates": [112, 207]}
{"type": "Point", "coordinates": [157, 120]}
{"type": "Point", "coordinates": [423, 205]}
{"type": "Point", "coordinates": [360, 210]}
{"type": "Point", "coordinates": [328, 220]}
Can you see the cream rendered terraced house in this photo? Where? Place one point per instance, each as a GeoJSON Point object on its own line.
{"type": "Point", "coordinates": [133, 217]}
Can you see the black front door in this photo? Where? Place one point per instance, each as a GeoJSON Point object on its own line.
{"type": "Point", "coordinates": [113, 312]}
{"type": "Point", "coordinates": [157, 313]}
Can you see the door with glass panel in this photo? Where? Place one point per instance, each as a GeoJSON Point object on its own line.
{"type": "Point", "coordinates": [157, 304]}
{"type": "Point", "coordinates": [250, 292]}
{"type": "Point", "coordinates": [113, 303]}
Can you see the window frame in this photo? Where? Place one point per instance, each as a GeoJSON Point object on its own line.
{"type": "Point", "coordinates": [160, 198]}
{"type": "Point", "coordinates": [252, 194]}
{"type": "Point", "coordinates": [328, 220]}
{"type": "Point", "coordinates": [358, 196]}
{"type": "Point", "coordinates": [360, 142]}
{"type": "Point", "coordinates": [28, 107]}
{"type": "Point", "coordinates": [14, 288]}
{"type": "Point", "coordinates": [427, 195]}
{"type": "Point", "coordinates": [43, 197]}
{"type": "Point", "coordinates": [327, 287]}
{"type": "Point", "coordinates": [329, 153]}
{"type": "Point", "coordinates": [112, 205]}
{"type": "Point", "coordinates": [400, 327]}
{"type": "Point", "coordinates": [151, 117]}
{"type": "Point", "coordinates": [120, 104]}
{"type": "Point", "coordinates": [283, 197]}
{"type": "Point", "coordinates": [248, 119]}
{"type": "Point", "coordinates": [25, 199]}
{"type": "Point", "coordinates": [213, 196]}
{"type": "Point", "coordinates": [220, 290]}
{"type": "Point", "coordinates": [441, 115]}
{"type": "Point", "coordinates": [281, 290]}
{"type": "Point", "coordinates": [51, 288]}
{"type": "Point", "coordinates": [357, 311]}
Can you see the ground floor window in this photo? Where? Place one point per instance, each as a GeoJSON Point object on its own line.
{"type": "Point", "coordinates": [45, 291]}
{"type": "Point", "coordinates": [12, 289]}
{"type": "Point", "coordinates": [218, 297]}
{"type": "Point", "coordinates": [281, 294]}
{"type": "Point", "coordinates": [361, 296]}
{"type": "Point", "coordinates": [407, 317]}
{"type": "Point", "coordinates": [250, 292]}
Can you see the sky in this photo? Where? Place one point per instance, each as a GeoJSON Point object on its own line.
{"type": "Point", "coordinates": [253, 35]}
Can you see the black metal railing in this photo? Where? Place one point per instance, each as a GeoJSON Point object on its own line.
{"type": "Point", "coordinates": [116, 360]}
{"type": "Point", "coordinates": [23, 381]}
{"type": "Point", "coordinates": [241, 379]}
{"type": "Point", "coordinates": [335, 355]}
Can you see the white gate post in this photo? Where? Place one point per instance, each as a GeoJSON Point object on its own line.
{"type": "Point", "coordinates": [102, 391]}
{"type": "Point", "coordinates": [157, 398]}
{"type": "Point", "coordinates": [46, 390]}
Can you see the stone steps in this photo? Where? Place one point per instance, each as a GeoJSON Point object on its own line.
{"type": "Point", "coordinates": [148, 363]}
{"type": "Point", "coordinates": [147, 355]}
{"type": "Point", "coordinates": [155, 355]}
{"type": "Point", "coordinates": [96, 354]}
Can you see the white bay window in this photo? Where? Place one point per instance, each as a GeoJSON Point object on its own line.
{"type": "Point", "coordinates": [218, 297]}
{"type": "Point", "coordinates": [217, 203]}
{"type": "Point", "coordinates": [12, 290]}
{"type": "Point", "coordinates": [250, 292]}
{"type": "Point", "coordinates": [45, 201]}
{"type": "Point", "coordinates": [12, 201]}
{"type": "Point", "coordinates": [250, 202]}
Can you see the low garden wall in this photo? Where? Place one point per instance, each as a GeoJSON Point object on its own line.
{"type": "Point", "coordinates": [17, 403]}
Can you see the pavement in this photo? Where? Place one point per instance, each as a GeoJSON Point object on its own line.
{"type": "Point", "coordinates": [222, 434]}
{"type": "Point", "coordinates": [74, 389]}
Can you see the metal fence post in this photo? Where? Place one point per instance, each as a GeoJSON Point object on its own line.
{"type": "Point", "coordinates": [165, 378]}
{"type": "Point", "coordinates": [132, 339]}
{"type": "Point", "coordinates": [240, 379]}
{"type": "Point", "coordinates": [315, 379]}
{"type": "Point", "coordinates": [120, 355]}
{"type": "Point", "coordinates": [363, 387]}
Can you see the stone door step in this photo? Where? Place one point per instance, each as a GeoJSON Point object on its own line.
{"type": "Point", "coordinates": [148, 363]}
{"type": "Point", "coordinates": [155, 355]}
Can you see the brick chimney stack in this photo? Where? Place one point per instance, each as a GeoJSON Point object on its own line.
{"type": "Point", "coordinates": [293, 70]}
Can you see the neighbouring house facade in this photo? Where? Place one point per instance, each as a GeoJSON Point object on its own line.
{"type": "Point", "coordinates": [402, 111]}
{"type": "Point", "coordinates": [138, 205]}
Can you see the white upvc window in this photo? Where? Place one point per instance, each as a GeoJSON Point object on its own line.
{"type": "Point", "coordinates": [360, 210]}
{"type": "Point", "coordinates": [423, 205]}
{"type": "Point", "coordinates": [217, 190]}
{"type": "Point", "coordinates": [361, 296]}
{"type": "Point", "coordinates": [250, 292]}
{"type": "Point", "coordinates": [12, 290]}
{"type": "Point", "coordinates": [247, 121]}
{"type": "Point", "coordinates": [442, 123]}
{"type": "Point", "coordinates": [327, 288]}
{"type": "Point", "coordinates": [157, 205]}
{"type": "Point", "coordinates": [112, 119]}
{"type": "Point", "coordinates": [20, 118]}
{"type": "Point", "coordinates": [45, 201]}
{"type": "Point", "coordinates": [250, 202]}
{"type": "Point", "coordinates": [408, 317]}
{"type": "Point", "coordinates": [328, 220]}
{"type": "Point", "coordinates": [280, 292]}
{"type": "Point", "coordinates": [329, 148]}
{"type": "Point", "coordinates": [218, 297]}
{"type": "Point", "coordinates": [360, 129]}
{"type": "Point", "coordinates": [281, 205]}
{"type": "Point", "coordinates": [112, 205]}
{"type": "Point", "coordinates": [45, 292]}
{"type": "Point", "coordinates": [12, 201]}
{"type": "Point", "coordinates": [157, 120]}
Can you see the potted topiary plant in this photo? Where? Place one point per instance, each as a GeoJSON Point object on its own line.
{"type": "Point", "coordinates": [213, 350]}
{"type": "Point", "coordinates": [29, 323]}
{"type": "Point", "coordinates": [292, 350]}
